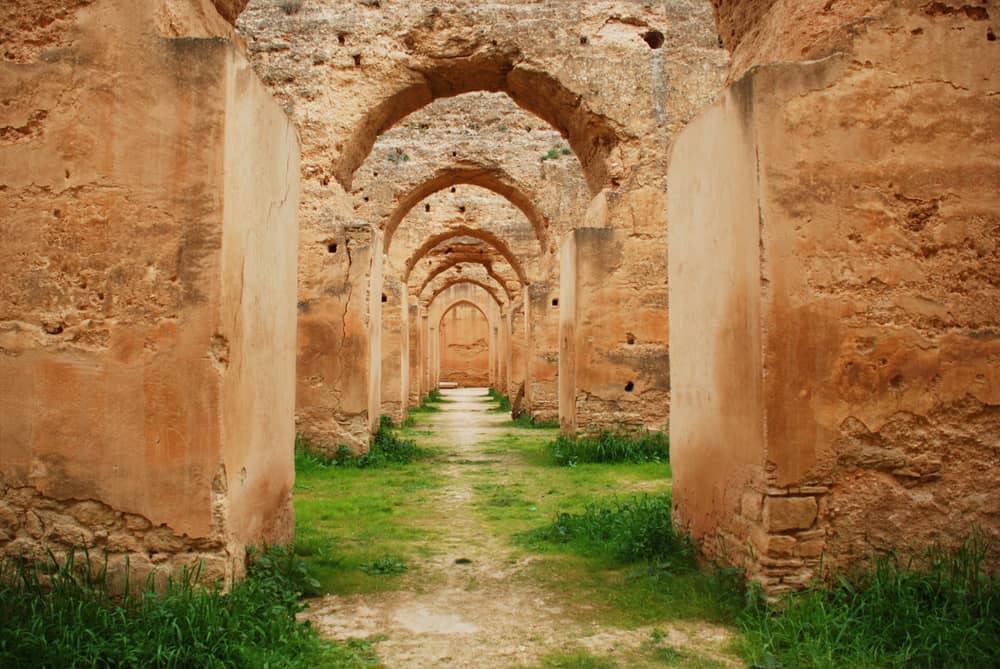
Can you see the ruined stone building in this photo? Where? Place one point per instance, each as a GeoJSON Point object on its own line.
{"type": "Point", "coordinates": [772, 225]}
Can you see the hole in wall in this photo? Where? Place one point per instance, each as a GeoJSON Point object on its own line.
{"type": "Point", "coordinates": [629, 387]}
{"type": "Point", "coordinates": [461, 209]}
{"type": "Point", "coordinates": [630, 338]}
{"type": "Point", "coordinates": [357, 59]}
{"type": "Point", "coordinates": [374, 174]}
{"type": "Point", "coordinates": [341, 38]}
{"type": "Point", "coordinates": [990, 35]}
{"type": "Point", "coordinates": [454, 153]}
{"type": "Point", "coordinates": [53, 328]}
{"type": "Point", "coordinates": [331, 248]}
{"type": "Point", "coordinates": [555, 301]}
{"type": "Point", "coordinates": [427, 207]}
{"type": "Point", "coordinates": [654, 38]}
{"type": "Point", "coordinates": [452, 189]}
{"type": "Point", "coordinates": [365, 198]}
{"type": "Point", "coordinates": [583, 40]}
{"type": "Point", "coordinates": [384, 298]}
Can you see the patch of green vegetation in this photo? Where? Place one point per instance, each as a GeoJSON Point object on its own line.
{"type": "Point", "coordinates": [386, 565]}
{"type": "Point", "coordinates": [553, 154]}
{"type": "Point", "coordinates": [580, 659]}
{"type": "Point", "coordinates": [937, 609]}
{"type": "Point", "coordinates": [397, 156]}
{"type": "Point", "coordinates": [526, 421]}
{"type": "Point", "coordinates": [429, 403]}
{"type": "Point", "coordinates": [627, 531]}
{"type": "Point", "coordinates": [63, 615]}
{"type": "Point", "coordinates": [386, 449]}
{"type": "Point", "coordinates": [348, 518]}
{"type": "Point", "coordinates": [503, 402]}
{"type": "Point", "coordinates": [609, 447]}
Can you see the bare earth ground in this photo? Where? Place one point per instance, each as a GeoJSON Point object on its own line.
{"type": "Point", "coordinates": [487, 612]}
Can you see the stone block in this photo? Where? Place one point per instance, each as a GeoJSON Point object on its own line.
{"type": "Point", "coordinates": [789, 513]}
{"type": "Point", "coordinates": [812, 548]}
{"type": "Point", "coordinates": [752, 505]}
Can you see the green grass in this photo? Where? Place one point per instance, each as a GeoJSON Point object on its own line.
{"type": "Point", "coordinates": [503, 401]}
{"type": "Point", "coordinates": [387, 448]}
{"type": "Point", "coordinates": [525, 421]}
{"type": "Point", "coordinates": [610, 447]}
{"type": "Point", "coordinates": [938, 609]}
{"type": "Point", "coordinates": [64, 616]}
{"type": "Point", "coordinates": [359, 527]}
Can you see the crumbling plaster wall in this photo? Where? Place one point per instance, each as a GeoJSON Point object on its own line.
{"type": "Point", "coordinates": [149, 189]}
{"type": "Point", "coordinates": [873, 194]}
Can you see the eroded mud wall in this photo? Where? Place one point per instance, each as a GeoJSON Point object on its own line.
{"type": "Point", "coordinates": [148, 185]}
{"type": "Point", "coordinates": [876, 209]}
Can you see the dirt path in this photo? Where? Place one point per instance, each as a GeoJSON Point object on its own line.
{"type": "Point", "coordinates": [471, 607]}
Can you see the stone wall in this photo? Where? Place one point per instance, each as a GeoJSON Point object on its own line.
{"type": "Point", "coordinates": [149, 189]}
{"type": "Point", "coordinates": [856, 293]}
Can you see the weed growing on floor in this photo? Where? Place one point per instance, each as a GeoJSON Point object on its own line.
{"type": "Point", "coordinates": [386, 449]}
{"type": "Point", "coordinates": [526, 421]}
{"type": "Point", "coordinates": [937, 609]}
{"type": "Point", "coordinates": [627, 531]}
{"type": "Point", "coordinates": [62, 615]}
{"type": "Point", "coordinates": [429, 403]}
{"type": "Point", "coordinates": [386, 565]}
{"type": "Point", "coordinates": [608, 447]}
{"type": "Point", "coordinates": [503, 402]}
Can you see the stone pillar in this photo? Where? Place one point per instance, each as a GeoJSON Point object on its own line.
{"type": "Point", "coordinates": [567, 336]}
{"type": "Point", "coordinates": [415, 376]}
{"type": "Point", "coordinates": [395, 341]}
{"type": "Point", "coordinates": [618, 378]}
{"type": "Point", "coordinates": [148, 304]}
{"type": "Point", "coordinates": [519, 349]}
{"type": "Point", "coordinates": [339, 352]}
{"type": "Point", "coordinates": [543, 359]}
{"type": "Point", "coordinates": [834, 303]}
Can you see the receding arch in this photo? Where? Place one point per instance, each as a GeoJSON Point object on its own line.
{"type": "Point", "coordinates": [461, 280]}
{"type": "Point", "coordinates": [491, 180]}
{"type": "Point", "coordinates": [591, 136]}
{"type": "Point", "coordinates": [465, 231]}
{"type": "Point", "coordinates": [445, 266]}
{"type": "Point", "coordinates": [459, 301]}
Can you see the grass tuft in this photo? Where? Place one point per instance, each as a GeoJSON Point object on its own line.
{"type": "Point", "coordinates": [386, 449]}
{"type": "Point", "coordinates": [937, 609]}
{"type": "Point", "coordinates": [627, 531]}
{"type": "Point", "coordinates": [526, 421]}
{"type": "Point", "coordinates": [62, 615]}
{"type": "Point", "coordinates": [608, 447]}
{"type": "Point", "coordinates": [503, 402]}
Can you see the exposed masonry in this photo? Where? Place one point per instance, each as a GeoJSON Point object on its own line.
{"type": "Point", "coordinates": [32, 524]}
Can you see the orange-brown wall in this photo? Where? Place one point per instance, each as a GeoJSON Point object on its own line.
{"type": "Point", "coordinates": [465, 350]}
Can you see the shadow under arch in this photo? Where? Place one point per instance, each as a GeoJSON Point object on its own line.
{"type": "Point", "coordinates": [448, 264]}
{"type": "Point", "coordinates": [590, 135]}
{"type": "Point", "coordinates": [460, 280]}
{"type": "Point", "coordinates": [465, 231]}
{"type": "Point", "coordinates": [488, 179]}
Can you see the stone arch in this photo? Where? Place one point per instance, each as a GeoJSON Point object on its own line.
{"type": "Point", "coordinates": [445, 266]}
{"type": "Point", "coordinates": [492, 180]}
{"type": "Point", "coordinates": [465, 231]}
{"type": "Point", "coordinates": [458, 302]}
{"type": "Point", "coordinates": [591, 136]}
{"type": "Point", "coordinates": [460, 280]}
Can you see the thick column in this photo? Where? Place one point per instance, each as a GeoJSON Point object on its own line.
{"type": "Point", "coordinates": [543, 359]}
{"type": "Point", "coordinates": [339, 352]}
{"type": "Point", "coordinates": [618, 375]}
{"type": "Point", "coordinates": [415, 376]}
{"type": "Point", "coordinates": [835, 302]}
{"type": "Point", "coordinates": [147, 306]}
{"type": "Point", "coordinates": [395, 344]}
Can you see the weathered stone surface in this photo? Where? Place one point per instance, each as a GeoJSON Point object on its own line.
{"type": "Point", "coordinates": [789, 513]}
{"type": "Point", "coordinates": [834, 283]}
{"type": "Point", "coordinates": [148, 190]}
